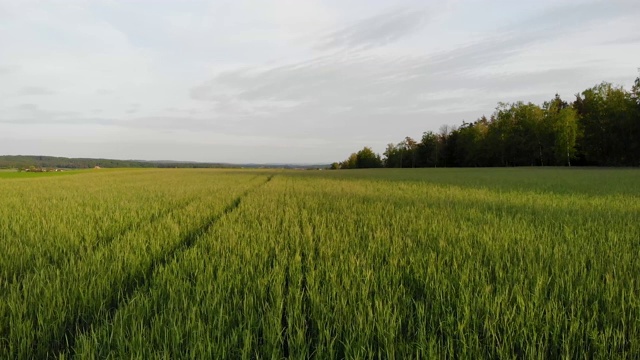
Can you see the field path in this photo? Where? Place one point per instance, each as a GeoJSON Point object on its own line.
{"type": "Point", "coordinates": [140, 281]}
{"type": "Point", "coordinates": [92, 288]}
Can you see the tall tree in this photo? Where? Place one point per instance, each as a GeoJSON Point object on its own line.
{"type": "Point", "coordinates": [366, 158]}
{"type": "Point", "coordinates": [408, 153]}
{"type": "Point", "coordinates": [609, 125]}
{"type": "Point", "coordinates": [427, 150]}
{"type": "Point", "coordinates": [392, 156]}
{"type": "Point", "coordinates": [561, 125]}
{"type": "Point", "coordinates": [469, 143]}
{"type": "Point", "coordinates": [350, 163]}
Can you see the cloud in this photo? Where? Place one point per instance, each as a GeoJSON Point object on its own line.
{"type": "Point", "coordinates": [27, 107]}
{"type": "Point", "coordinates": [133, 108]}
{"type": "Point", "coordinates": [168, 122]}
{"type": "Point", "coordinates": [378, 30]}
{"type": "Point", "coordinates": [9, 69]}
{"type": "Point", "coordinates": [625, 40]}
{"type": "Point", "coordinates": [362, 83]}
{"type": "Point", "coordinates": [104, 92]}
{"type": "Point", "coordinates": [578, 14]}
{"type": "Point", "coordinates": [34, 91]}
{"type": "Point", "coordinates": [367, 82]}
{"type": "Point", "coordinates": [48, 118]}
{"type": "Point", "coordinates": [29, 113]}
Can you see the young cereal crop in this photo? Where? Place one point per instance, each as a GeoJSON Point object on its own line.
{"type": "Point", "coordinates": [430, 263]}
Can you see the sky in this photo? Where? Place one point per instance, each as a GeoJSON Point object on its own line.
{"type": "Point", "coordinates": [288, 81]}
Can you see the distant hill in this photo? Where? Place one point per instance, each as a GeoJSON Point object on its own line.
{"type": "Point", "coordinates": [25, 161]}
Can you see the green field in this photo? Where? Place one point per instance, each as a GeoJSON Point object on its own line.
{"type": "Point", "coordinates": [387, 264]}
{"type": "Point", "coordinates": [12, 174]}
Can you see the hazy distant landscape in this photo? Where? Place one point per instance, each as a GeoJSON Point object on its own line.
{"type": "Point", "coordinates": [51, 162]}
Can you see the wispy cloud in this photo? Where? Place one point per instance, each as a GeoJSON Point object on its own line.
{"type": "Point", "coordinates": [27, 107]}
{"type": "Point", "coordinates": [366, 81]}
{"type": "Point", "coordinates": [30, 113]}
{"type": "Point", "coordinates": [378, 30]}
{"type": "Point", "coordinates": [104, 92]}
{"type": "Point", "coordinates": [34, 91]}
{"type": "Point", "coordinates": [8, 69]}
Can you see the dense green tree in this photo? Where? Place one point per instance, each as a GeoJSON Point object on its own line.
{"type": "Point", "coordinates": [634, 125]}
{"type": "Point", "coordinates": [366, 158]}
{"type": "Point", "coordinates": [412, 147]}
{"type": "Point", "coordinates": [635, 91]}
{"type": "Point", "coordinates": [609, 124]}
{"type": "Point", "coordinates": [515, 136]}
{"type": "Point", "coordinates": [450, 149]}
{"type": "Point", "coordinates": [470, 137]}
{"type": "Point", "coordinates": [428, 150]}
{"type": "Point", "coordinates": [392, 156]}
{"type": "Point", "coordinates": [561, 125]}
{"type": "Point", "coordinates": [350, 163]}
{"type": "Point", "coordinates": [363, 159]}
{"type": "Point", "coordinates": [401, 155]}
{"type": "Point", "coordinates": [408, 152]}
{"type": "Point", "coordinates": [601, 127]}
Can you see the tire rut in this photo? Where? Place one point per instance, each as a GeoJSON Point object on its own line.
{"type": "Point", "coordinates": [124, 295]}
{"type": "Point", "coordinates": [100, 241]}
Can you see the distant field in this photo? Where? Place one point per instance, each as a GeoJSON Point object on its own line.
{"type": "Point", "coordinates": [390, 263]}
{"type": "Point", "coordinates": [12, 174]}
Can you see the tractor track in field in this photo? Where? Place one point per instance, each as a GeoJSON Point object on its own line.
{"type": "Point", "coordinates": [308, 260]}
{"type": "Point", "coordinates": [310, 331]}
{"type": "Point", "coordinates": [122, 296]}
{"type": "Point", "coordinates": [284, 319]}
{"type": "Point", "coordinates": [100, 241]}
{"type": "Point", "coordinates": [310, 328]}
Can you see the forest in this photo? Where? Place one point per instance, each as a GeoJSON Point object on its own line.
{"type": "Point", "coordinates": [601, 127]}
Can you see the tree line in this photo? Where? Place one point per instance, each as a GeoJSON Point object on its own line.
{"type": "Point", "coordinates": [601, 127]}
{"type": "Point", "coordinates": [37, 161]}
{"type": "Point", "coordinates": [54, 162]}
